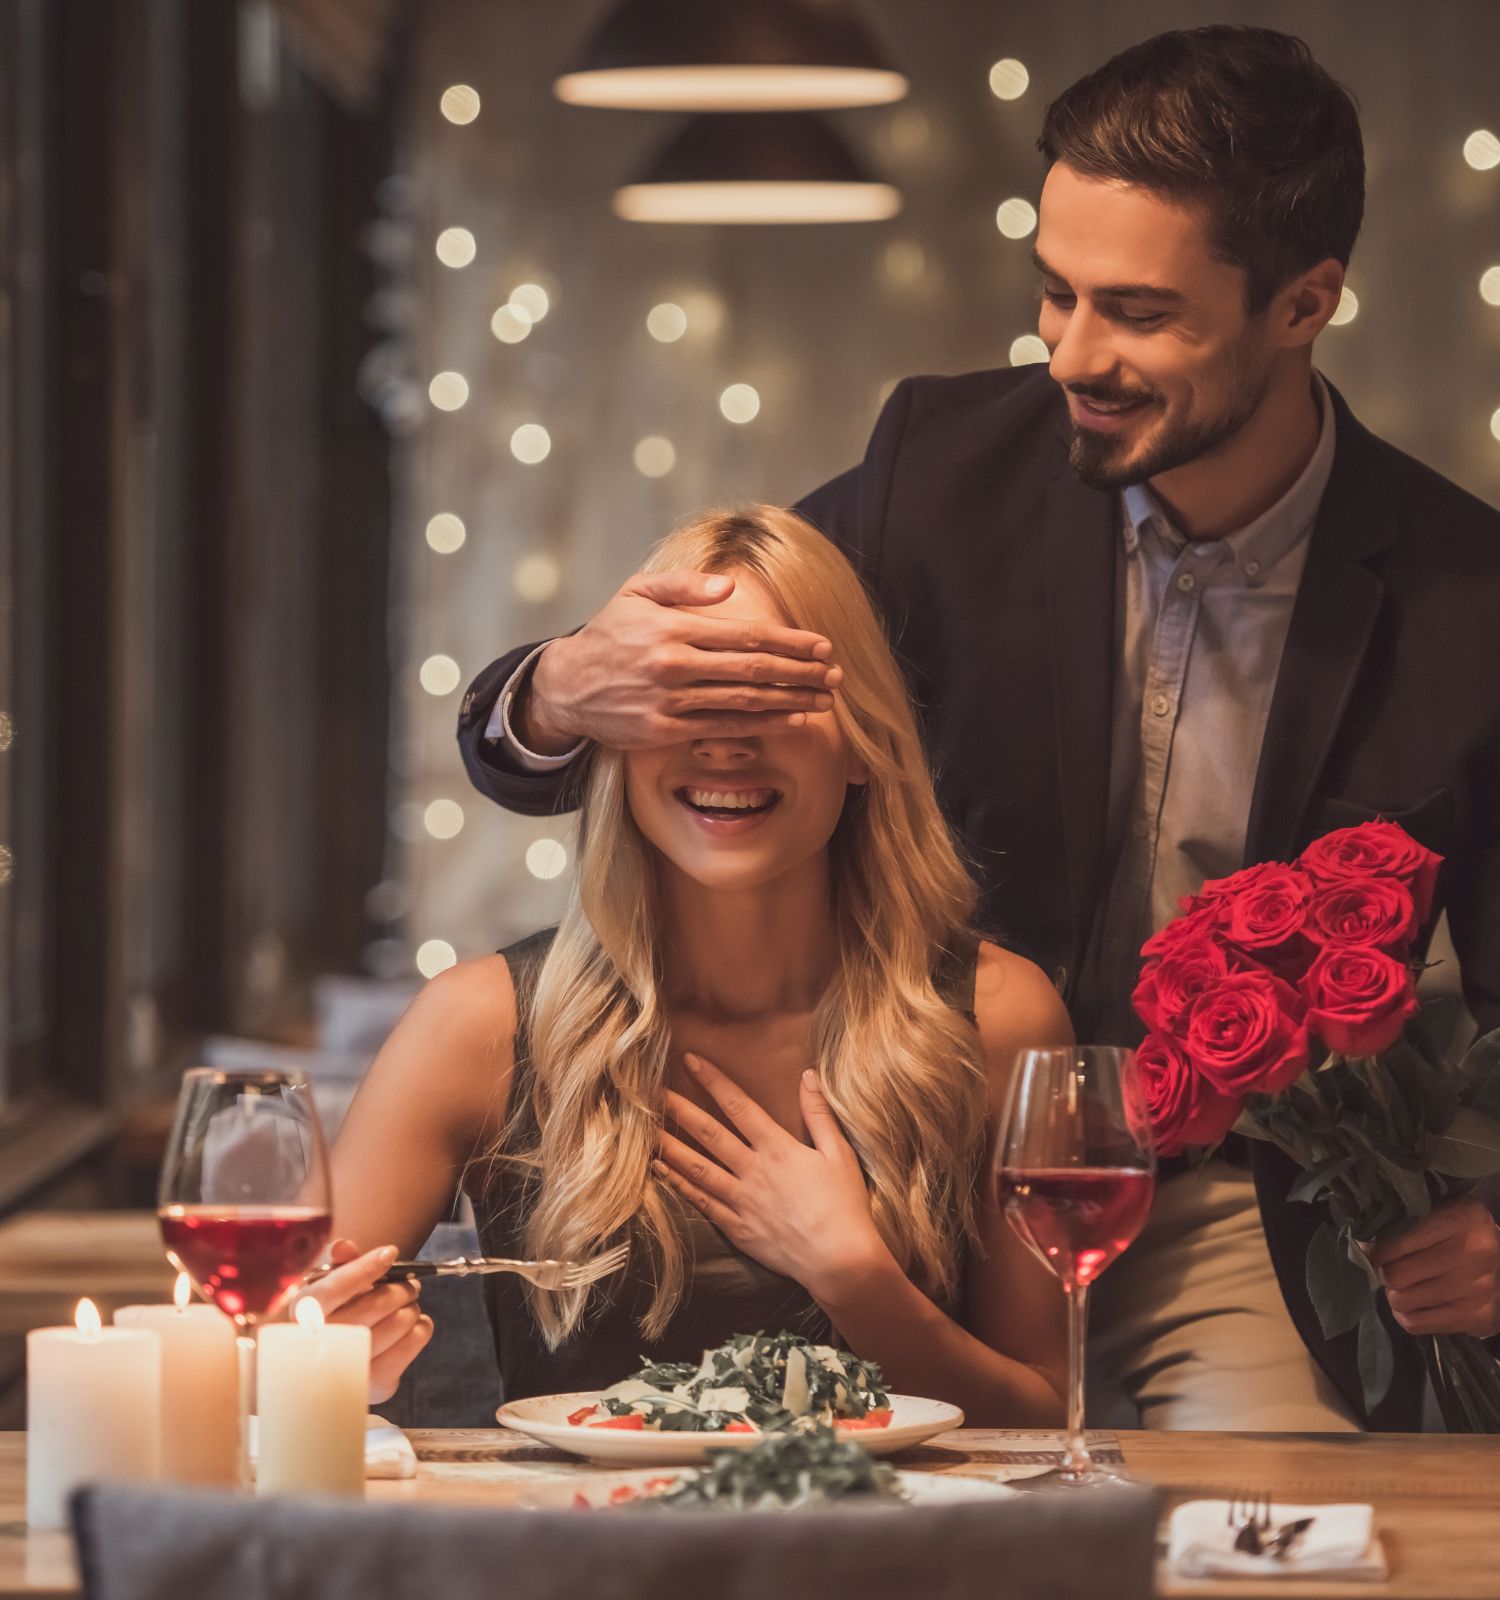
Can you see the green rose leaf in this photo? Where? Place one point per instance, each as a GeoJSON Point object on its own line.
{"type": "Point", "coordinates": [1339, 1291]}
{"type": "Point", "coordinates": [1469, 1147]}
{"type": "Point", "coordinates": [1377, 1360]}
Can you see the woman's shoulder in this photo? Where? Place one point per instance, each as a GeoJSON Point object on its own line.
{"type": "Point", "coordinates": [1015, 1005]}
{"type": "Point", "coordinates": [470, 1007]}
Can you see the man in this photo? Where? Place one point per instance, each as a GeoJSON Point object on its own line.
{"type": "Point", "coordinates": [1168, 609]}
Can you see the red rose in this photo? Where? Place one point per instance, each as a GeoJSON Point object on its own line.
{"type": "Point", "coordinates": [1364, 911]}
{"type": "Point", "coordinates": [1215, 890]}
{"type": "Point", "coordinates": [1184, 1107]}
{"type": "Point", "coordinates": [1168, 987]}
{"type": "Point", "coordinates": [1358, 999]}
{"type": "Point", "coordinates": [1375, 850]}
{"type": "Point", "coordinates": [1247, 1034]}
{"type": "Point", "coordinates": [1268, 915]}
{"type": "Point", "coordinates": [1197, 920]}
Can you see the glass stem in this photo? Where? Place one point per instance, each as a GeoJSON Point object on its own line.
{"type": "Point", "coordinates": [1076, 1459]}
{"type": "Point", "coordinates": [245, 1343]}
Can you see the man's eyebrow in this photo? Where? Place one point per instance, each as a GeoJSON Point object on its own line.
{"type": "Point", "coordinates": [1115, 291]}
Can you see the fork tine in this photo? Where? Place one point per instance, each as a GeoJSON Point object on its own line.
{"type": "Point", "coordinates": [584, 1272]}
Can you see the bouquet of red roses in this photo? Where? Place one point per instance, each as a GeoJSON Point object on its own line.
{"type": "Point", "coordinates": [1282, 1004]}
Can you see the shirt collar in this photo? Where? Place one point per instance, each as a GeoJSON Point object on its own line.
{"type": "Point", "coordinates": [1261, 545]}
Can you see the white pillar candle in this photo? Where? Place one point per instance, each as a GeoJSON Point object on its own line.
{"type": "Point", "coordinates": [312, 1397]}
{"type": "Point", "coordinates": [92, 1411]}
{"type": "Point", "coordinates": [200, 1424]}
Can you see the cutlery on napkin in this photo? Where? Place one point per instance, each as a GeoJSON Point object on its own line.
{"type": "Point", "coordinates": [1338, 1541]}
{"type": "Point", "coordinates": [388, 1452]}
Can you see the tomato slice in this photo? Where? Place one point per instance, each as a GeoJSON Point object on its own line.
{"type": "Point", "coordinates": [739, 1427]}
{"type": "Point", "coordinates": [620, 1494]}
{"type": "Point", "coordinates": [581, 1503]}
{"type": "Point", "coordinates": [577, 1418]}
{"type": "Point", "coordinates": [880, 1418]}
{"type": "Point", "coordinates": [632, 1421]}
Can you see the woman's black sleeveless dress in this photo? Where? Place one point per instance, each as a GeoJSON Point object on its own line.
{"type": "Point", "coordinates": [726, 1292]}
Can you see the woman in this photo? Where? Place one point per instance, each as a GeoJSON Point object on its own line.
{"type": "Point", "coordinates": [761, 1046]}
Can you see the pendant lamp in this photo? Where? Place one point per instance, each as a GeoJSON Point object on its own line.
{"type": "Point", "coordinates": [756, 168]}
{"type": "Point", "coordinates": [730, 55]}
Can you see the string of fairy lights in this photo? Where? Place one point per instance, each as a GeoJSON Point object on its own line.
{"type": "Point", "coordinates": [537, 575]}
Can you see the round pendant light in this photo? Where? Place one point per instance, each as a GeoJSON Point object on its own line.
{"type": "Point", "coordinates": [730, 55]}
{"type": "Point", "coordinates": [749, 167]}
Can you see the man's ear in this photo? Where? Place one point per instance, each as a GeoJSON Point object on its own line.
{"type": "Point", "coordinates": [1304, 307]}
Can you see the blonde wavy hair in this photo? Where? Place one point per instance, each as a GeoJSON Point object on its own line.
{"type": "Point", "coordinates": [900, 1066]}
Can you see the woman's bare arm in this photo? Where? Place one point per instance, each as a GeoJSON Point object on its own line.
{"type": "Point", "coordinates": [433, 1099]}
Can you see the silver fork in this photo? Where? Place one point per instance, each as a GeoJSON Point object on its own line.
{"type": "Point", "coordinates": [550, 1275]}
{"type": "Point", "coordinates": [1251, 1514]}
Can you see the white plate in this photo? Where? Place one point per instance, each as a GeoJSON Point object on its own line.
{"type": "Point", "coordinates": [595, 1489]}
{"type": "Point", "coordinates": [545, 1419]}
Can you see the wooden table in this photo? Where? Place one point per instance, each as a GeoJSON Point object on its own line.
{"type": "Point", "coordinates": [1436, 1498]}
{"type": "Point", "coordinates": [50, 1259]}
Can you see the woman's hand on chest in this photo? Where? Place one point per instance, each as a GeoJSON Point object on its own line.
{"type": "Point", "coordinates": [799, 1209]}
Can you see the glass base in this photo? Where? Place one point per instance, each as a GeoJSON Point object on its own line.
{"type": "Point", "coordinates": [1092, 1476]}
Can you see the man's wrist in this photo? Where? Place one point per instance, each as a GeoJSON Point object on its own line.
{"type": "Point", "coordinates": [531, 714]}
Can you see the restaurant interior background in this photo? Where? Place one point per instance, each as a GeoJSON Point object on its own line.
{"type": "Point", "coordinates": [327, 371]}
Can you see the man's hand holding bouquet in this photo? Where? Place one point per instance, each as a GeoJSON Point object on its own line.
{"type": "Point", "coordinates": [1282, 1005]}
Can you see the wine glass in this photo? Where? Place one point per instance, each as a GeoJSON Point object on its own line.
{"type": "Point", "coordinates": [244, 1204]}
{"type": "Point", "coordinates": [1075, 1171]}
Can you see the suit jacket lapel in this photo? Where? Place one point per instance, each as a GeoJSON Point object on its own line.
{"type": "Point", "coordinates": [1081, 558]}
{"type": "Point", "coordinates": [1333, 616]}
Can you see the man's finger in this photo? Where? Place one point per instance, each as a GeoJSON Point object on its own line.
{"type": "Point", "coordinates": [1433, 1229]}
{"type": "Point", "coordinates": [739, 725]}
{"type": "Point", "coordinates": [1422, 1266]}
{"type": "Point", "coordinates": [717, 698]}
{"type": "Point", "coordinates": [746, 636]}
{"type": "Point", "coordinates": [682, 587]}
{"type": "Point", "coordinates": [699, 666]}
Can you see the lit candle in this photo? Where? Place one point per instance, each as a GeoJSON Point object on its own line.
{"type": "Point", "coordinates": [312, 1389]}
{"type": "Point", "coordinates": [92, 1410]}
{"type": "Point", "coordinates": [199, 1386]}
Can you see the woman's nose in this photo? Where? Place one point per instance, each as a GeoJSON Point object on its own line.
{"type": "Point", "coordinates": [729, 747]}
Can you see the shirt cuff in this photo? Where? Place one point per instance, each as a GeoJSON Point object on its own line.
{"type": "Point", "coordinates": [499, 728]}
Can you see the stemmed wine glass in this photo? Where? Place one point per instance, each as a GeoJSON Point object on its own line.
{"type": "Point", "coordinates": [1075, 1171]}
{"type": "Point", "coordinates": [244, 1204]}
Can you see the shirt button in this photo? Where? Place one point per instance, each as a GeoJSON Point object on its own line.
{"type": "Point", "coordinates": [1161, 704]}
{"type": "Point", "coordinates": [1252, 567]}
{"type": "Point", "coordinates": [1185, 581]}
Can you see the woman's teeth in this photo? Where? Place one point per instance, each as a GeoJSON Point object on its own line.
{"type": "Point", "coordinates": [727, 800]}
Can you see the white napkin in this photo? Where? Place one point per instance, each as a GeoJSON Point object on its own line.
{"type": "Point", "coordinates": [388, 1452]}
{"type": "Point", "coordinates": [1341, 1543]}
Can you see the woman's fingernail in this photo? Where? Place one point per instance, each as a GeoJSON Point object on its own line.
{"type": "Point", "coordinates": [387, 1253]}
{"type": "Point", "coordinates": [810, 1078]}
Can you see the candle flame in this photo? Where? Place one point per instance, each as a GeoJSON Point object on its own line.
{"type": "Point", "coordinates": [182, 1290]}
{"type": "Point", "coordinates": [86, 1318]}
{"type": "Point", "coordinates": [308, 1312]}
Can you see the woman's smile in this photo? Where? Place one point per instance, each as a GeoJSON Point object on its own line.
{"type": "Point", "coordinates": [728, 808]}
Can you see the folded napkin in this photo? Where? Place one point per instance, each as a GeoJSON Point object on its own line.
{"type": "Point", "coordinates": [1341, 1543]}
{"type": "Point", "coordinates": [388, 1452]}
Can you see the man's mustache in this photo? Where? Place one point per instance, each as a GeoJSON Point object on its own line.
{"type": "Point", "coordinates": [1108, 397]}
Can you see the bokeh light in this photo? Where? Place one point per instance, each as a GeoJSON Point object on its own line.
{"type": "Point", "coordinates": [537, 577]}
{"type": "Point", "coordinates": [740, 403]}
{"type": "Point", "coordinates": [439, 675]}
{"type": "Point", "coordinates": [1489, 286]}
{"type": "Point", "coordinates": [435, 956]}
{"type": "Point", "coordinates": [666, 322]}
{"type": "Point", "coordinates": [1495, 424]}
{"type": "Point", "coordinates": [446, 533]}
{"type": "Point", "coordinates": [1482, 150]}
{"type": "Point", "coordinates": [654, 456]}
{"type": "Point", "coordinates": [531, 443]}
{"type": "Point", "coordinates": [449, 391]}
{"type": "Point", "coordinates": [546, 858]}
{"type": "Point", "coordinates": [1015, 218]}
{"type": "Point", "coordinates": [902, 263]}
{"type": "Point", "coordinates": [443, 819]}
{"type": "Point", "coordinates": [456, 247]}
{"type": "Point", "coordinates": [530, 300]}
{"type": "Point", "coordinates": [1348, 308]}
{"type": "Point", "coordinates": [460, 103]}
{"type": "Point", "coordinates": [1009, 79]}
{"type": "Point", "coordinates": [509, 328]}
{"type": "Point", "coordinates": [1028, 350]}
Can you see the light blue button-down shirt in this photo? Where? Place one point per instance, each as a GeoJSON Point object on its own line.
{"type": "Point", "coordinates": [1199, 632]}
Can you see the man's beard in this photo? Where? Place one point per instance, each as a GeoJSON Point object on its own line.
{"type": "Point", "coordinates": [1105, 461]}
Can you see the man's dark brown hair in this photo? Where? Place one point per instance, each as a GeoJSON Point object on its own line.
{"type": "Point", "coordinates": [1240, 121]}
